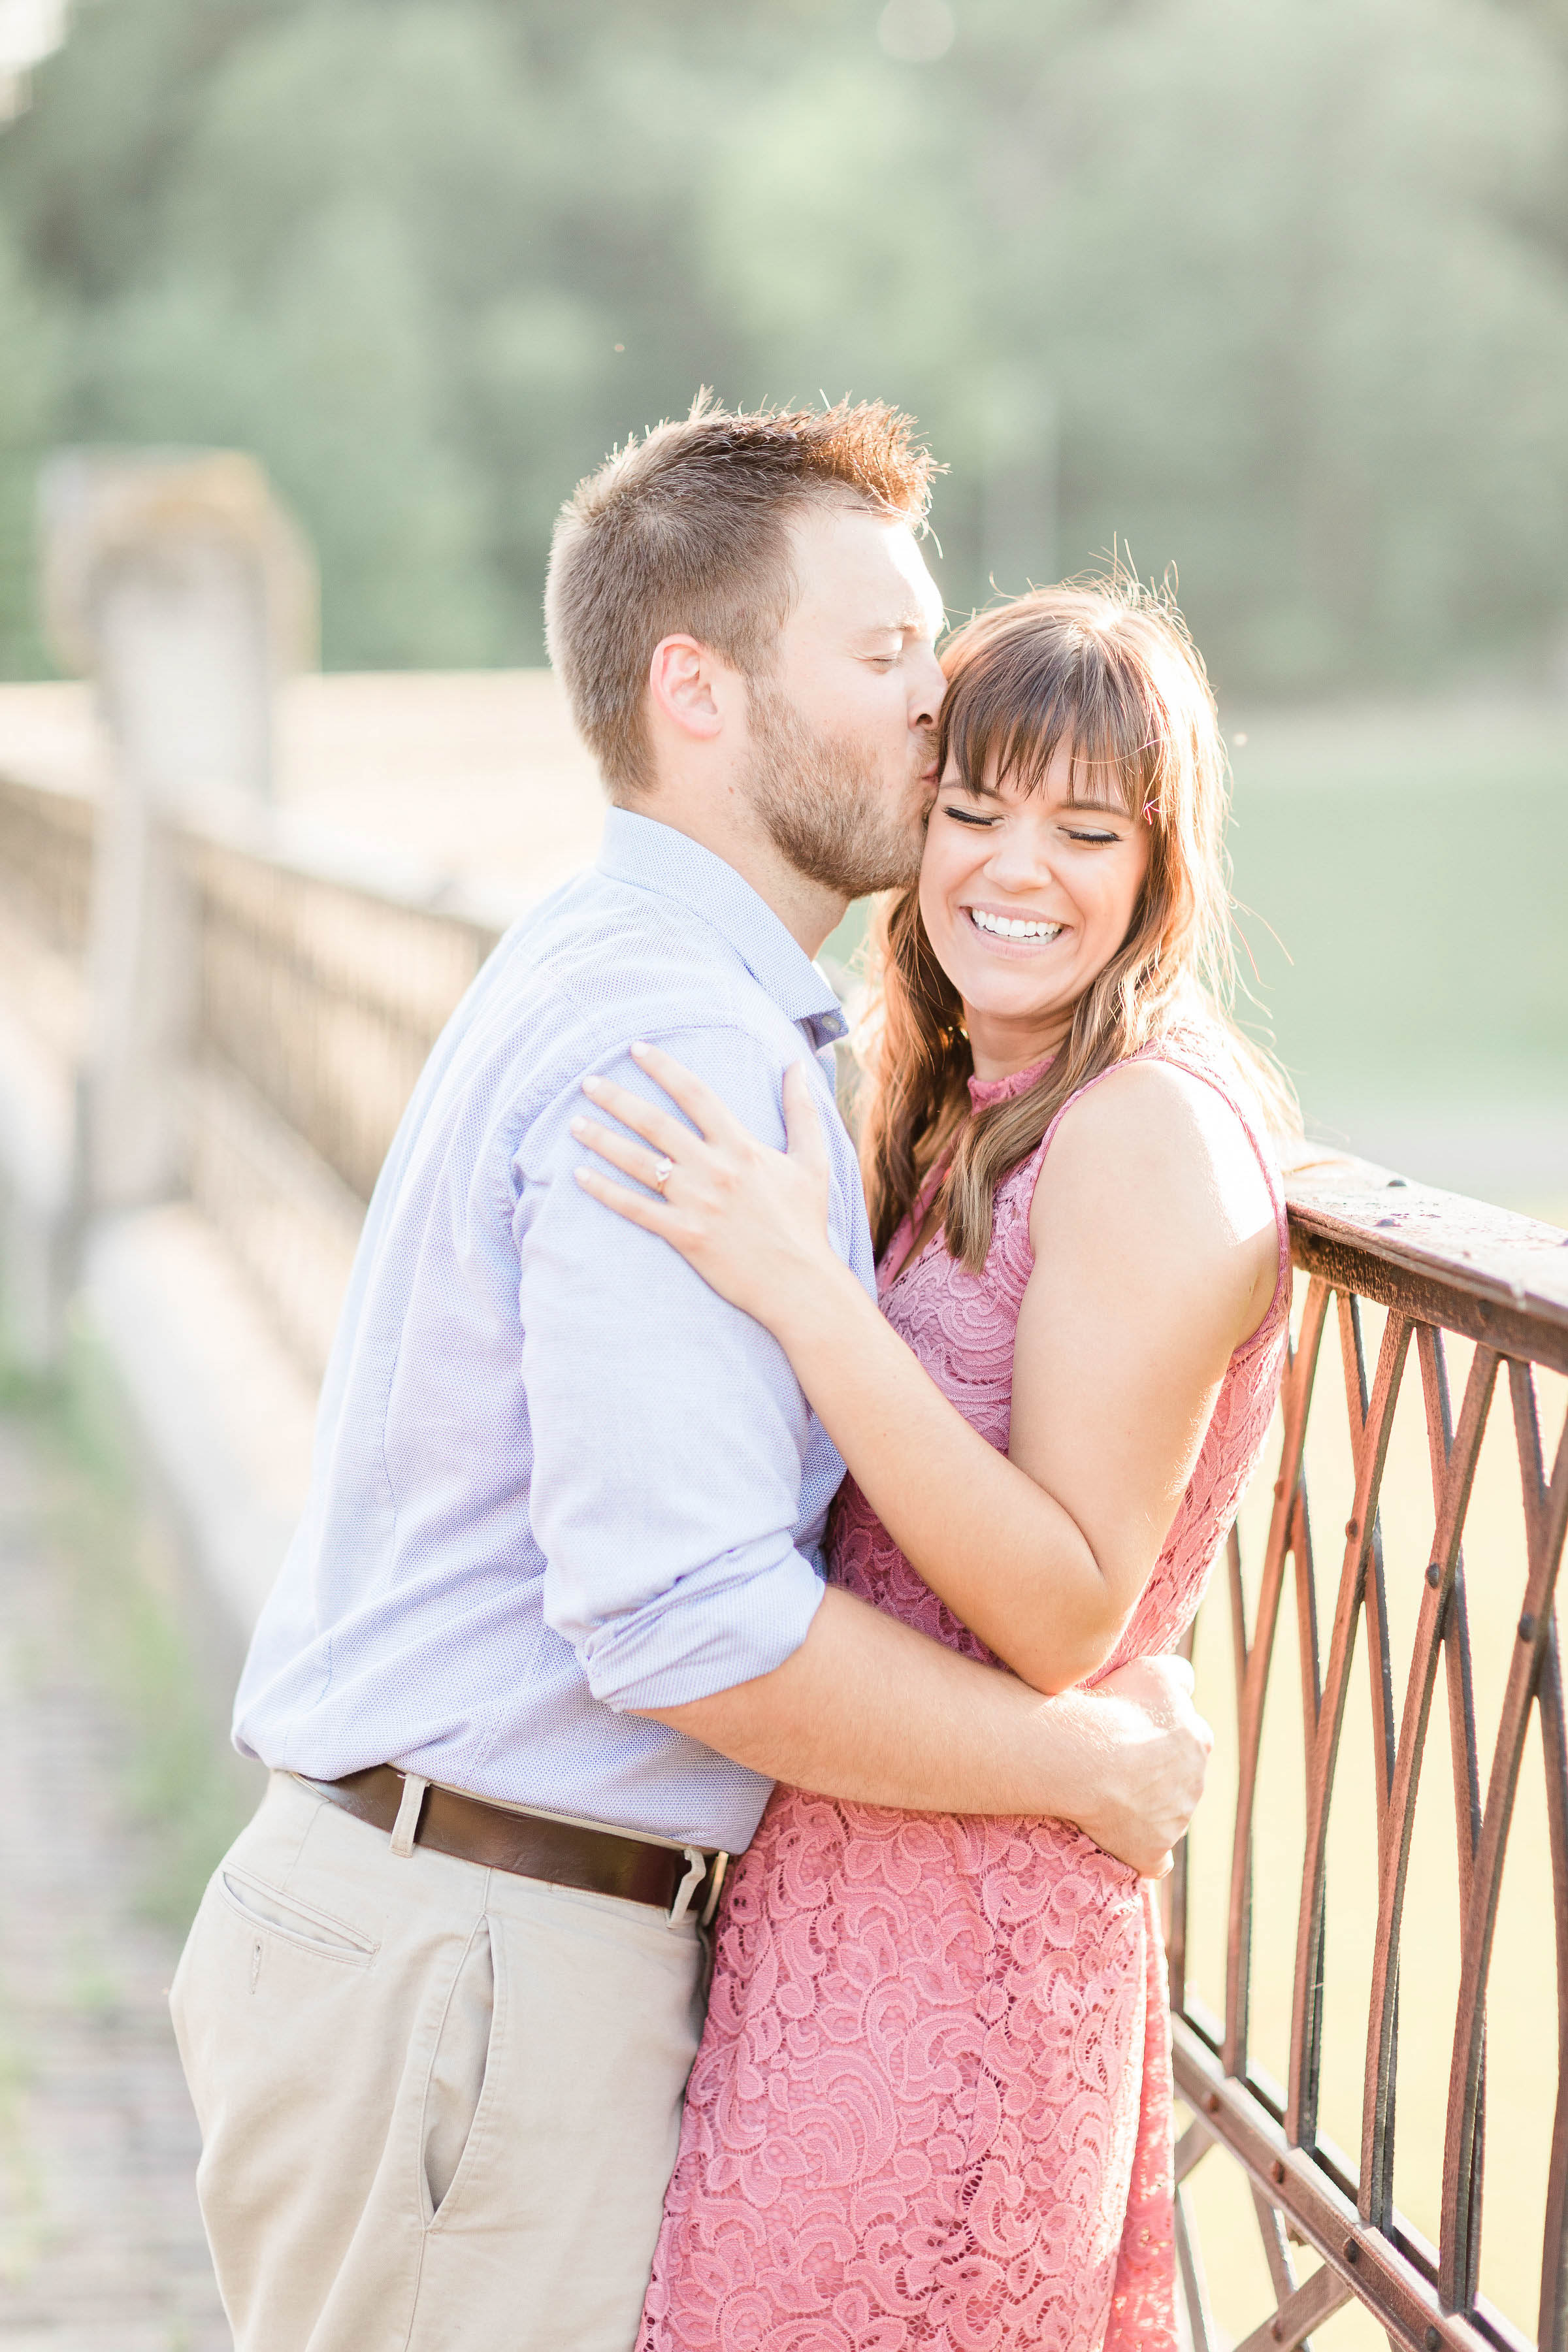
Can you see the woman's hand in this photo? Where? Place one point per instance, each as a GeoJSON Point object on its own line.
{"type": "Point", "coordinates": [752, 1221]}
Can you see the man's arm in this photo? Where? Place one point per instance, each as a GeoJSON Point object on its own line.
{"type": "Point", "coordinates": [869, 1710]}
{"type": "Point", "coordinates": [668, 1432]}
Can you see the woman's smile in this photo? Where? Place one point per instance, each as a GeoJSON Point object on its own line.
{"type": "Point", "coordinates": [1011, 929]}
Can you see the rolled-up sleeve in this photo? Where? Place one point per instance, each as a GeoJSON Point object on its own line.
{"type": "Point", "coordinates": [667, 1428]}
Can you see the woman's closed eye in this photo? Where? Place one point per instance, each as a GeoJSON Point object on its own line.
{"type": "Point", "coordinates": [1085, 836]}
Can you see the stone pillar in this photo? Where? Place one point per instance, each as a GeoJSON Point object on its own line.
{"type": "Point", "coordinates": [177, 583]}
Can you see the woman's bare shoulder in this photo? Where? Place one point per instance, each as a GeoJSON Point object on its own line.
{"type": "Point", "coordinates": [1154, 1151]}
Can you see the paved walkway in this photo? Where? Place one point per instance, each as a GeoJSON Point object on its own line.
{"type": "Point", "coordinates": [100, 2244]}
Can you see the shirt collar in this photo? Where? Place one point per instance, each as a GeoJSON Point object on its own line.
{"type": "Point", "coordinates": [654, 856]}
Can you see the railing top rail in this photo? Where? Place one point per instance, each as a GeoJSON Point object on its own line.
{"type": "Point", "coordinates": [57, 790]}
{"type": "Point", "coordinates": [291, 842]}
{"type": "Point", "coordinates": [1487, 1273]}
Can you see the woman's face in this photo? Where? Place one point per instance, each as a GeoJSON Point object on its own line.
{"type": "Point", "coordinates": [1026, 896]}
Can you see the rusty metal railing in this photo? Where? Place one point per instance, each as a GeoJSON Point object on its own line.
{"type": "Point", "coordinates": [1444, 1277]}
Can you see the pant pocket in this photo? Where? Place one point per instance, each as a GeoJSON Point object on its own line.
{"type": "Point", "coordinates": [458, 2067]}
{"type": "Point", "coordinates": [296, 1922]}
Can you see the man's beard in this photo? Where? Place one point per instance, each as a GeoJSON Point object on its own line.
{"type": "Point", "coordinates": [822, 805]}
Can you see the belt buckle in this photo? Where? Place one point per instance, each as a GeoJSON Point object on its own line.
{"type": "Point", "coordinates": [698, 1865]}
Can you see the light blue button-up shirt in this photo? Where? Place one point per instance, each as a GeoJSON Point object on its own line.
{"type": "Point", "coordinates": [556, 1477]}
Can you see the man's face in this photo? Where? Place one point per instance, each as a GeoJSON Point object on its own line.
{"type": "Point", "coordinates": [842, 760]}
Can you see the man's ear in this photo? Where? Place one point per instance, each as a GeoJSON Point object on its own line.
{"type": "Point", "coordinates": [690, 688]}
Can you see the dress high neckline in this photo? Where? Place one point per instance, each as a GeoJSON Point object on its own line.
{"type": "Point", "coordinates": [983, 1092]}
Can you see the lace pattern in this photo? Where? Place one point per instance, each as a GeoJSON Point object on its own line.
{"type": "Point", "coordinates": [931, 2107]}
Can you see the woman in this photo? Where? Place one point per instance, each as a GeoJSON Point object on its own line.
{"type": "Point", "coordinates": [932, 2101]}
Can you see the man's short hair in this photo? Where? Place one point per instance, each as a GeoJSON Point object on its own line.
{"type": "Point", "coordinates": [685, 533]}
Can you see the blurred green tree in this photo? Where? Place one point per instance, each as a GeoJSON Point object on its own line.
{"type": "Point", "coordinates": [28, 392]}
{"type": "Point", "coordinates": [1277, 295]}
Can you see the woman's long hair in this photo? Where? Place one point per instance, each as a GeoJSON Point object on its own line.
{"type": "Point", "coordinates": [1108, 670]}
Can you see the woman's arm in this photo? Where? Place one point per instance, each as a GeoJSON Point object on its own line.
{"type": "Point", "coordinates": [1154, 1257]}
{"type": "Point", "coordinates": [1156, 1254]}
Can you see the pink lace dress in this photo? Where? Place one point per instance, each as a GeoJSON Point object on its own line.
{"type": "Point", "coordinates": [931, 2107]}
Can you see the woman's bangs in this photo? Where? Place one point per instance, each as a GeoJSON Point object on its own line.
{"type": "Point", "coordinates": [1117, 745]}
{"type": "Point", "coordinates": [1108, 773]}
{"type": "Point", "coordinates": [1001, 720]}
{"type": "Point", "coordinates": [986, 738]}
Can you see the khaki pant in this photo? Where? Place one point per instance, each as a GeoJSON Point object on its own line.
{"type": "Point", "coordinates": [439, 2104]}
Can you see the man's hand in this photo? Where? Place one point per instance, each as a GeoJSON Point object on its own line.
{"type": "Point", "coordinates": [1152, 1749]}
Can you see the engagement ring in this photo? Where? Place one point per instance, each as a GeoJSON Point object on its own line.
{"type": "Point", "coordinates": [663, 1170]}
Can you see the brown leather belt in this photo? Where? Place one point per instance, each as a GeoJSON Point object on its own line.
{"type": "Point", "coordinates": [596, 1861]}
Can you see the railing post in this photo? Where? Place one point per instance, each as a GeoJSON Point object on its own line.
{"type": "Point", "coordinates": [175, 581]}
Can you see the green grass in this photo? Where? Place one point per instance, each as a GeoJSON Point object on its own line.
{"type": "Point", "coordinates": [1413, 867]}
{"type": "Point", "coordinates": [179, 1783]}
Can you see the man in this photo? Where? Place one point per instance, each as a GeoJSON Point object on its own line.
{"type": "Point", "coordinates": [554, 1616]}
